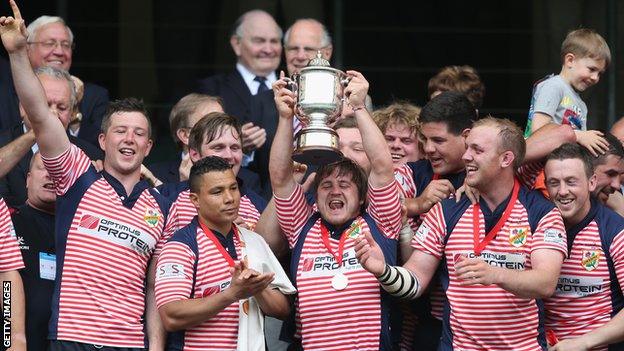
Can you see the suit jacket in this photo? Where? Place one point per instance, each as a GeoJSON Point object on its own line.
{"type": "Point", "coordinates": [93, 106]}
{"type": "Point", "coordinates": [13, 185]}
{"type": "Point", "coordinates": [167, 172]}
{"type": "Point", "coordinates": [263, 113]}
{"type": "Point", "coordinates": [231, 88]}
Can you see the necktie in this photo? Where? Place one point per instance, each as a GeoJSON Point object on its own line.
{"type": "Point", "coordinates": [262, 87]}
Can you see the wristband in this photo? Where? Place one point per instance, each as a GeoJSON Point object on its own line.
{"type": "Point", "coordinates": [399, 282]}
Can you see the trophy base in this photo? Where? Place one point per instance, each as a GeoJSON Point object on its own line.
{"type": "Point", "coordinates": [317, 146]}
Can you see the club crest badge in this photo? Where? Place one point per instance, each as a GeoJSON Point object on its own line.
{"type": "Point", "coordinates": [590, 259]}
{"type": "Point", "coordinates": [518, 236]}
{"type": "Point", "coordinates": [151, 217]}
{"type": "Point", "coordinates": [354, 230]}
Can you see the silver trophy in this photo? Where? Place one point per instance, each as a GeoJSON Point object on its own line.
{"type": "Point", "coordinates": [319, 89]}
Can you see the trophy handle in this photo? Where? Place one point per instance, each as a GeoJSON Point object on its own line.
{"type": "Point", "coordinates": [292, 83]}
{"type": "Point", "coordinates": [345, 81]}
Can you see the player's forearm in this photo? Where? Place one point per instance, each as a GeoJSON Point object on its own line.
{"type": "Point", "coordinates": [156, 333]}
{"type": "Point", "coordinates": [531, 284]}
{"type": "Point", "coordinates": [12, 153]}
{"type": "Point", "coordinates": [280, 160]}
{"type": "Point", "coordinates": [610, 333]}
{"type": "Point", "coordinates": [376, 148]}
{"type": "Point", "coordinates": [271, 231]}
{"type": "Point", "coordinates": [415, 206]}
{"type": "Point", "coordinates": [544, 140]}
{"type": "Point", "coordinates": [273, 303]}
{"type": "Point", "coordinates": [187, 313]}
{"type": "Point", "coordinates": [29, 90]}
{"type": "Point", "coordinates": [18, 309]}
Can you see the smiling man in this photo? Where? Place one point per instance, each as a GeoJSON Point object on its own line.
{"type": "Point", "coordinates": [498, 256]}
{"type": "Point", "coordinates": [585, 310]}
{"type": "Point", "coordinates": [349, 203]}
{"type": "Point", "coordinates": [109, 224]}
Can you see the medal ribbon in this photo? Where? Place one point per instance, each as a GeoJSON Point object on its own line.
{"type": "Point", "coordinates": [343, 238]}
{"type": "Point", "coordinates": [217, 243]}
{"type": "Point", "coordinates": [480, 245]}
{"type": "Point", "coordinates": [435, 176]}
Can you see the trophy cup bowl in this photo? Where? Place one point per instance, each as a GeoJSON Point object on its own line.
{"type": "Point", "coordinates": [319, 90]}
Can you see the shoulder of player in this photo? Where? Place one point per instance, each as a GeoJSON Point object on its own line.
{"type": "Point", "coordinates": [610, 223]}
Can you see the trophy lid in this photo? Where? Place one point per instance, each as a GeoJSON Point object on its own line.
{"type": "Point", "coordinates": [318, 60]}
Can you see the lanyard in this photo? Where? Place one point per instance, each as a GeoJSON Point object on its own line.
{"type": "Point", "coordinates": [343, 238]}
{"type": "Point", "coordinates": [480, 245]}
{"type": "Point", "coordinates": [435, 176]}
{"type": "Point", "coordinates": [217, 243]}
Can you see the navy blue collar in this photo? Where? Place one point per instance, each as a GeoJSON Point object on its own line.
{"type": "Point", "coordinates": [336, 231]}
{"type": "Point", "coordinates": [491, 217]}
{"type": "Point", "coordinates": [127, 200]}
{"type": "Point", "coordinates": [575, 229]}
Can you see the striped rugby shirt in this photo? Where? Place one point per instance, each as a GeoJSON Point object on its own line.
{"type": "Point", "coordinates": [327, 319]}
{"type": "Point", "coordinates": [587, 296]}
{"type": "Point", "coordinates": [105, 239]}
{"type": "Point", "coordinates": [10, 254]}
{"type": "Point", "coordinates": [488, 317]}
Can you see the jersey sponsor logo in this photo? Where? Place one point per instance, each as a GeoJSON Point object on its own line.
{"type": "Point", "coordinates": [325, 264]}
{"type": "Point", "coordinates": [590, 259]}
{"type": "Point", "coordinates": [518, 236]}
{"type": "Point", "coordinates": [89, 222]}
{"type": "Point", "coordinates": [151, 217]}
{"type": "Point", "coordinates": [553, 236]}
{"type": "Point", "coordinates": [215, 288]}
{"type": "Point", "coordinates": [572, 286]}
{"type": "Point", "coordinates": [12, 232]}
{"type": "Point", "coordinates": [170, 271]}
{"type": "Point", "coordinates": [421, 233]}
{"type": "Point", "coordinates": [499, 259]}
{"type": "Point", "coordinates": [117, 232]}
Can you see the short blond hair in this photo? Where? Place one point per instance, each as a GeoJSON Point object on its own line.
{"type": "Point", "coordinates": [510, 137]}
{"type": "Point", "coordinates": [586, 42]}
{"type": "Point", "coordinates": [183, 109]}
{"type": "Point", "coordinates": [400, 112]}
{"type": "Point", "coordinates": [463, 79]}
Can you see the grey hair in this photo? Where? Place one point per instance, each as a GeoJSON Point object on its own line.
{"type": "Point", "coordinates": [237, 28]}
{"type": "Point", "coordinates": [326, 39]}
{"type": "Point", "coordinates": [59, 74]}
{"type": "Point", "coordinates": [41, 21]}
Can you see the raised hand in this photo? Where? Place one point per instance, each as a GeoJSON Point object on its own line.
{"type": "Point", "coordinates": [13, 30]}
{"type": "Point", "coordinates": [356, 90]}
{"type": "Point", "coordinates": [284, 98]}
{"type": "Point", "coordinates": [369, 254]}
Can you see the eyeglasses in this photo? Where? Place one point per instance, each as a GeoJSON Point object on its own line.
{"type": "Point", "coordinates": [52, 44]}
{"type": "Point", "coordinates": [308, 50]}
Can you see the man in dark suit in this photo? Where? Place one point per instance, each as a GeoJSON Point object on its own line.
{"type": "Point", "coordinates": [301, 43]}
{"type": "Point", "coordinates": [184, 115]}
{"type": "Point", "coordinates": [51, 43]}
{"type": "Point", "coordinates": [17, 144]}
{"type": "Point", "coordinates": [256, 42]}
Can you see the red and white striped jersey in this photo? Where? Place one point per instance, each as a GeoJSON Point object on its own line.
{"type": "Point", "coordinates": [328, 319]}
{"type": "Point", "coordinates": [105, 239]}
{"type": "Point", "coordinates": [489, 317]}
{"type": "Point", "coordinates": [10, 254]}
{"type": "Point", "coordinates": [174, 280]}
{"type": "Point", "coordinates": [583, 299]}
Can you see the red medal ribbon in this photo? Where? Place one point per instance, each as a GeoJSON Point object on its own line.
{"type": "Point", "coordinates": [217, 243]}
{"type": "Point", "coordinates": [435, 176]}
{"type": "Point", "coordinates": [480, 245]}
{"type": "Point", "coordinates": [343, 238]}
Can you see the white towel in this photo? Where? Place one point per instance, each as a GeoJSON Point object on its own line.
{"type": "Point", "coordinates": [260, 258]}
